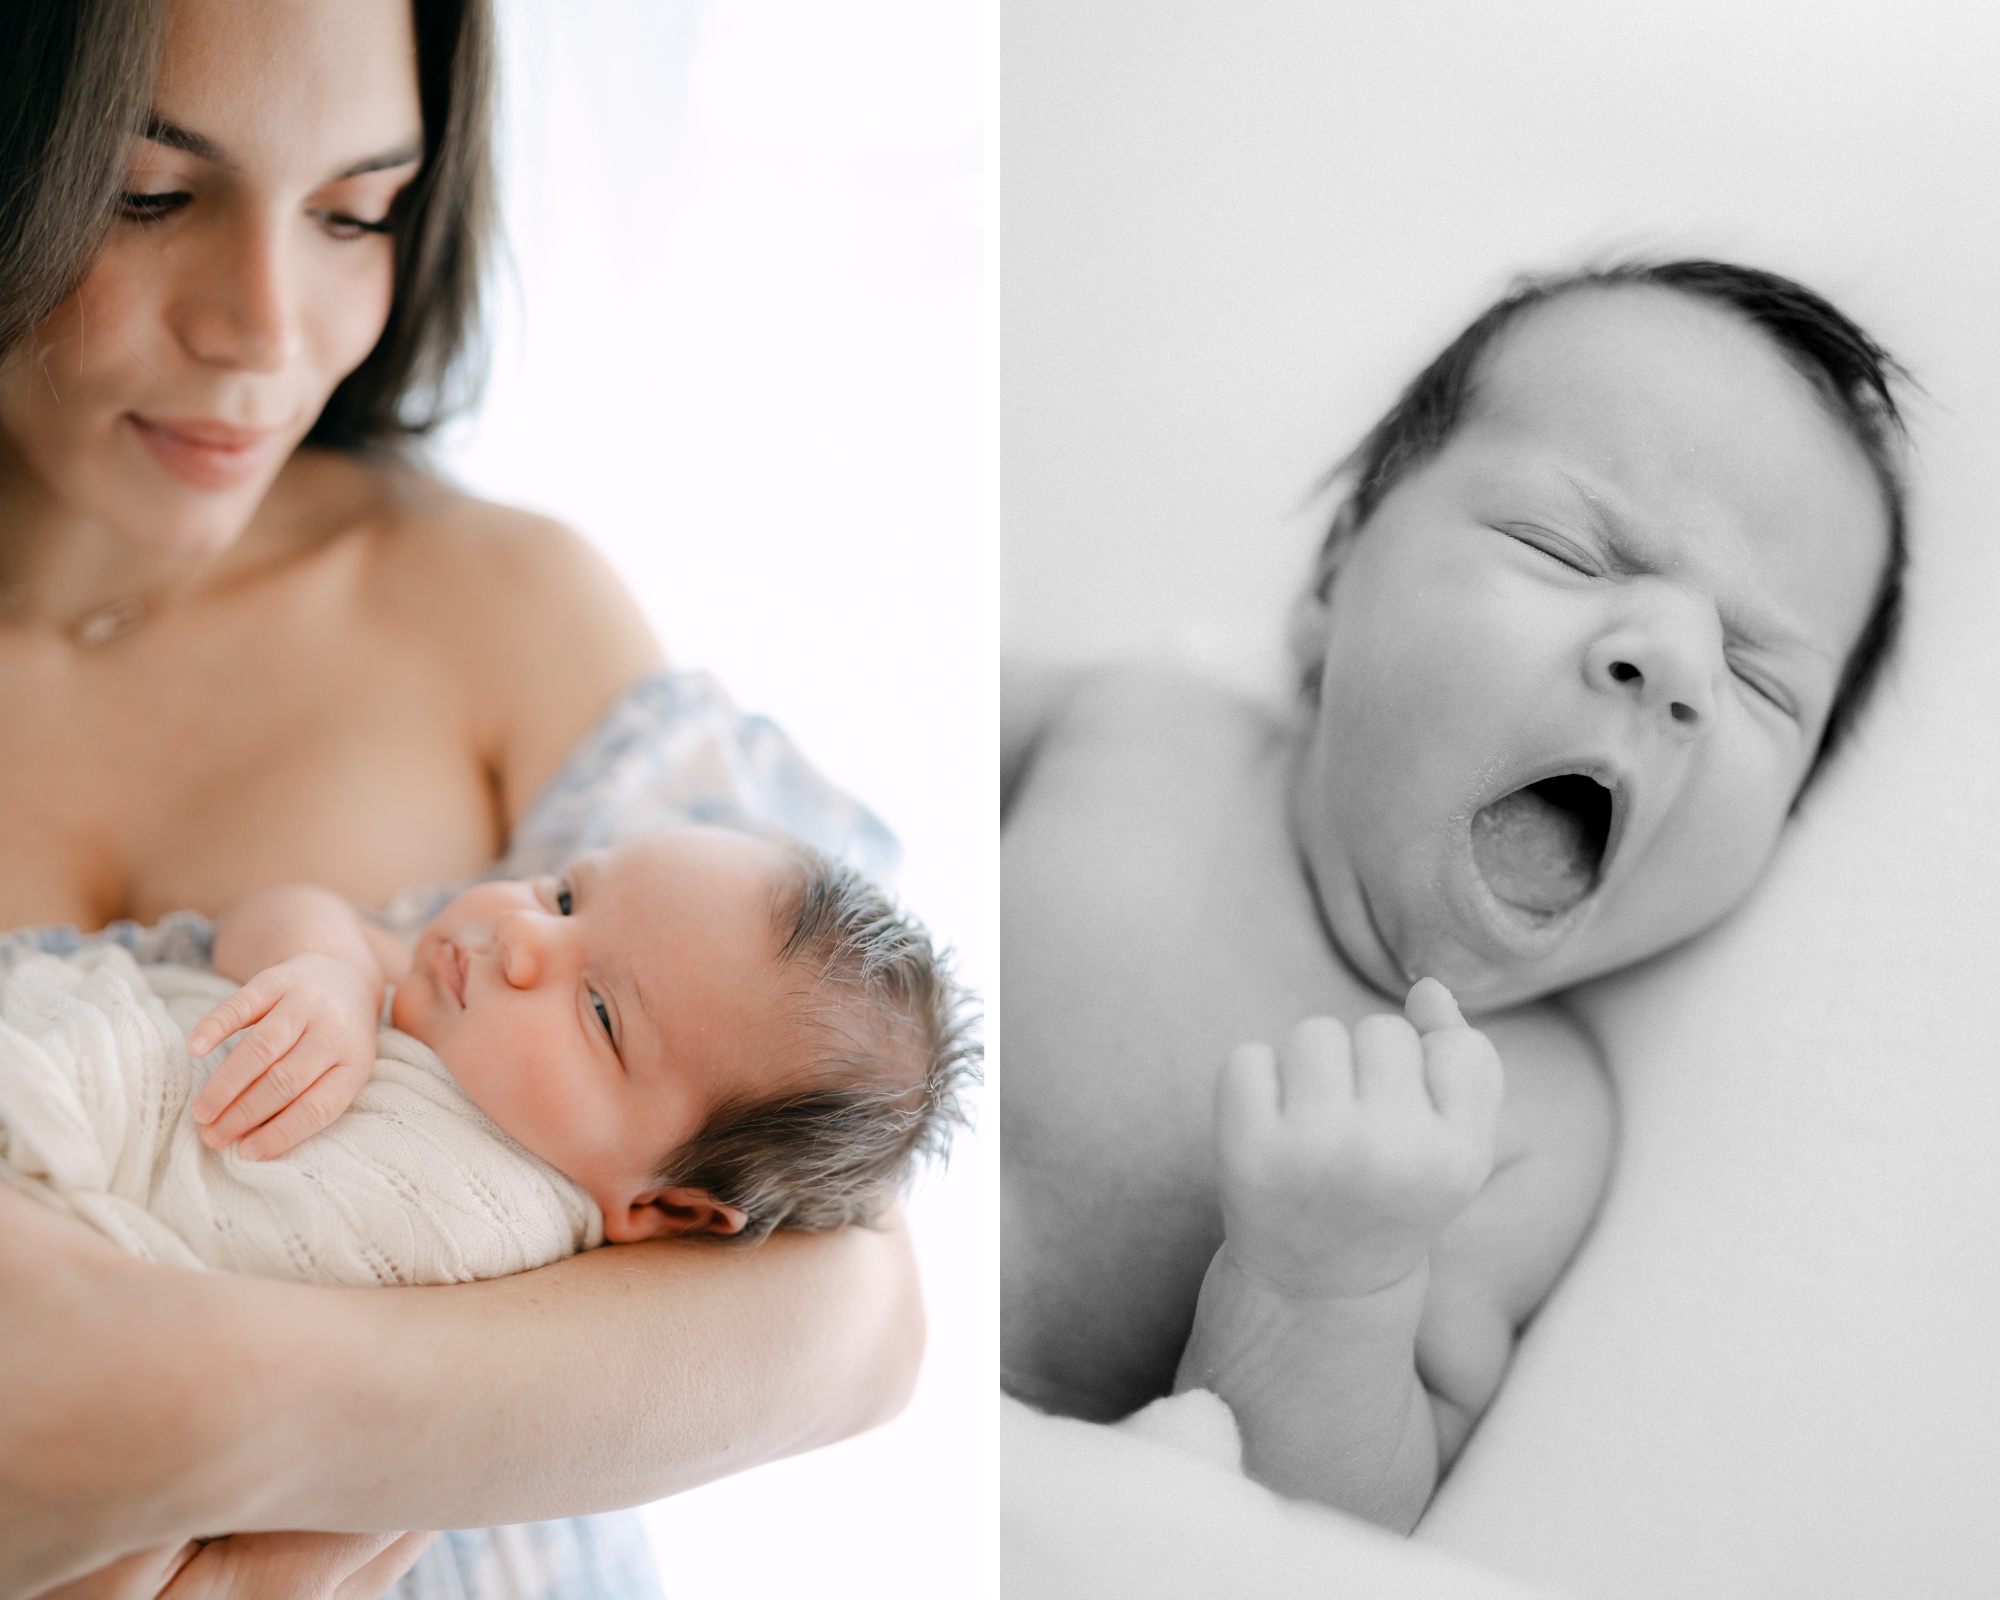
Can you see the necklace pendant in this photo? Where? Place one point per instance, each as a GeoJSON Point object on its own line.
{"type": "Point", "coordinates": [109, 622]}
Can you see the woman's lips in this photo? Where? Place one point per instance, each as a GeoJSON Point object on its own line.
{"type": "Point", "coordinates": [209, 455]}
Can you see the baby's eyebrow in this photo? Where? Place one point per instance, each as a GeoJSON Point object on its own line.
{"type": "Point", "coordinates": [1759, 627]}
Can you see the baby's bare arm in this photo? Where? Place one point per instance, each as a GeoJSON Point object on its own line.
{"type": "Point", "coordinates": [291, 919]}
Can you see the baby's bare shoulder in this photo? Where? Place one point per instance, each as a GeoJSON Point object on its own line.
{"type": "Point", "coordinates": [1557, 1087]}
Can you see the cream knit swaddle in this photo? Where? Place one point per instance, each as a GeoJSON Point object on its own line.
{"type": "Point", "coordinates": [411, 1184]}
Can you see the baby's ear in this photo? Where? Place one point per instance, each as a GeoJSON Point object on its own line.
{"type": "Point", "coordinates": [1312, 611]}
{"type": "Point", "coordinates": [669, 1214]}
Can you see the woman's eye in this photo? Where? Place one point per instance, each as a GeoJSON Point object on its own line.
{"type": "Point", "coordinates": [151, 207]}
{"type": "Point", "coordinates": [342, 226]}
{"type": "Point", "coordinates": [603, 1015]}
{"type": "Point", "coordinates": [565, 900]}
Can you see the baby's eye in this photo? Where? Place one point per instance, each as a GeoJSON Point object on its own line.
{"type": "Point", "coordinates": [135, 207]}
{"type": "Point", "coordinates": [603, 1015]}
{"type": "Point", "coordinates": [1763, 689]}
{"type": "Point", "coordinates": [565, 900]}
{"type": "Point", "coordinates": [1553, 546]}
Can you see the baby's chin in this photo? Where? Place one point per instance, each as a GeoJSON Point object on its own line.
{"type": "Point", "coordinates": [406, 1013]}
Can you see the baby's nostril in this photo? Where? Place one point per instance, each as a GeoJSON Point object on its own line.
{"type": "Point", "coordinates": [1624, 671]}
{"type": "Point", "coordinates": [1683, 712]}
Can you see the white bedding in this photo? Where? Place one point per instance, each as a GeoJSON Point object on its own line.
{"type": "Point", "coordinates": [411, 1184]}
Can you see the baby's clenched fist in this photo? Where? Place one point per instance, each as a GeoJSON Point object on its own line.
{"type": "Point", "coordinates": [1343, 1157]}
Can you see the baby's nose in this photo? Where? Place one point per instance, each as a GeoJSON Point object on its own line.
{"type": "Point", "coordinates": [526, 942]}
{"type": "Point", "coordinates": [1664, 662]}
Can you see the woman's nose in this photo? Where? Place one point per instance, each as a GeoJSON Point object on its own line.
{"type": "Point", "coordinates": [1663, 658]}
{"type": "Point", "coordinates": [240, 308]}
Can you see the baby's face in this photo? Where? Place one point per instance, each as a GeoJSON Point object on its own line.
{"type": "Point", "coordinates": [601, 1016]}
{"type": "Point", "coordinates": [1640, 562]}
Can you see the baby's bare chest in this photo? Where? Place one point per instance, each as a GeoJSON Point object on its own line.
{"type": "Point", "coordinates": [187, 765]}
{"type": "Point", "coordinates": [1155, 914]}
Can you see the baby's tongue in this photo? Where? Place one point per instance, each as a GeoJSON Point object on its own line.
{"type": "Point", "coordinates": [1532, 853]}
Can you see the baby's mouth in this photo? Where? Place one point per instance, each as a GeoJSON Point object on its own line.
{"type": "Point", "coordinates": [448, 965]}
{"type": "Point", "coordinates": [1541, 848]}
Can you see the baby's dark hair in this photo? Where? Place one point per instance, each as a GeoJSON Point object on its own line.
{"type": "Point", "coordinates": [891, 1045]}
{"type": "Point", "coordinates": [1851, 373]}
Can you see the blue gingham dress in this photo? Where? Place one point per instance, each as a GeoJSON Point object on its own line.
{"type": "Point", "coordinates": [673, 750]}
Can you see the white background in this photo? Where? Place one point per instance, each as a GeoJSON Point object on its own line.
{"type": "Point", "coordinates": [1234, 232]}
{"type": "Point", "coordinates": [743, 349]}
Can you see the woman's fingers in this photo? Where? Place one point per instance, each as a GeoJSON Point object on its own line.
{"type": "Point", "coordinates": [298, 1566]}
{"type": "Point", "coordinates": [139, 1576]}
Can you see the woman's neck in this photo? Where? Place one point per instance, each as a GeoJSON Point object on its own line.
{"type": "Point", "coordinates": [68, 571]}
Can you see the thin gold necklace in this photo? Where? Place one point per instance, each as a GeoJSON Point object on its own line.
{"type": "Point", "coordinates": [101, 624]}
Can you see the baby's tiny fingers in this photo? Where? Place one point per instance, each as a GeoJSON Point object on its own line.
{"type": "Point", "coordinates": [298, 1122]}
{"type": "Point", "coordinates": [255, 1052]}
{"type": "Point", "coordinates": [1316, 1067]}
{"type": "Point", "coordinates": [229, 1016]}
{"type": "Point", "coordinates": [1429, 1006]}
{"type": "Point", "coordinates": [287, 1080]}
{"type": "Point", "coordinates": [1388, 1063]}
{"type": "Point", "coordinates": [1466, 1081]}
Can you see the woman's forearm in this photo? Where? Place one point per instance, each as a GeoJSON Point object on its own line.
{"type": "Point", "coordinates": [606, 1380]}
{"type": "Point", "coordinates": [143, 1402]}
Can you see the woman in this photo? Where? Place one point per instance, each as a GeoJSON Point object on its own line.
{"type": "Point", "coordinates": [239, 644]}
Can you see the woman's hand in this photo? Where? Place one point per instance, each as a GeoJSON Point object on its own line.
{"type": "Point", "coordinates": [140, 1575]}
{"type": "Point", "coordinates": [280, 1566]}
{"type": "Point", "coordinates": [297, 1566]}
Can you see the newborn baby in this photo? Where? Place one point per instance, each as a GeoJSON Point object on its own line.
{"type": "Point", "coordinates": [699, 1032]}
{"type": "Point", "coordinates": [1612, 578]}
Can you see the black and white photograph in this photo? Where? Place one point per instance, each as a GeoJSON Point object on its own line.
{"type": "Point", "coordinates": [1499, 752]}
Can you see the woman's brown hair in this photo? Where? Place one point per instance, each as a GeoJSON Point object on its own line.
{"type": "Point", "coordinates": [76, 83]}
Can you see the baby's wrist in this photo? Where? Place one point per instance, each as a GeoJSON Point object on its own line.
{"type": "Point", "coordinates": [1331, 1289]}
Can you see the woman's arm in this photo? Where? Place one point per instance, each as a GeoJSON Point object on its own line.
{"type": "Point", "coordinates": [140, 1403]}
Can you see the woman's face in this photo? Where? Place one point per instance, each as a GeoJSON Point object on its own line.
{"type": "Point", "coordinates": [245, 277]}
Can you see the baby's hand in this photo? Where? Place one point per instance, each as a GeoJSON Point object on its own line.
{"type": "Point", "coordinates": [1341, 1163]}
{"type": "Point", "coordinates": [299, 1067]}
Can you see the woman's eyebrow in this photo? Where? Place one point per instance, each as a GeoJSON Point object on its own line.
{"type": "Point", "coordinates": [405, 154]}
{"type": "Point", "coordinates": [175, 137]}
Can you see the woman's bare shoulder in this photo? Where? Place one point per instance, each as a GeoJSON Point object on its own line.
{"type": "Point", "coordinates": [545, 632]}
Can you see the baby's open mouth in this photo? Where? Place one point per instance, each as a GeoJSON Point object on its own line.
{"type": "Point", "coordinates": [1540, 848]}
